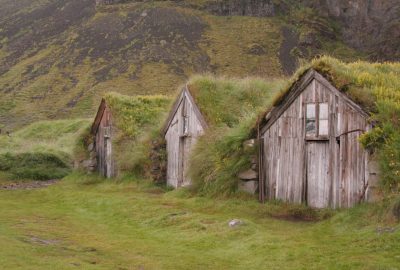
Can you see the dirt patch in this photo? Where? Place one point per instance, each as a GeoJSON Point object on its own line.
{"type": "Point", "coordinates": [288, 60]}
{"type": "Point", "coordinates": [28, 185]}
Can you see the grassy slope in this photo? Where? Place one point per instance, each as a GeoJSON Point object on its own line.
{"type": "Point", "coordinates": [43, 150]}
{"type": "Point", "coordinates": [60, 58]}
{"type": "Point", "coordinates": [128, 226]}
{"type": "Point", "coordinates": [58, 137]}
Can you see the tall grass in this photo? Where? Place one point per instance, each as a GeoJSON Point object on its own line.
{"type": "Point", "coordinates": [231, 107]}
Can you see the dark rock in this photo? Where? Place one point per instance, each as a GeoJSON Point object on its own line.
{"type": "Point", "coordinates": [256, 49]}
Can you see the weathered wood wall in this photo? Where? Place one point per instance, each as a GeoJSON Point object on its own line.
{"type": "Point", "coordinates": [332, 172]}
{"type": "Point", "coordinates": [103, 145]}
{"type": "Point", "coordinates": [179, 142]}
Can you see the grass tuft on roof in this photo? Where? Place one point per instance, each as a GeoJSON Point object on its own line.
{"type": "Point", "coordinates": [137, 121]}
{"type": "Point", "coordinates": [231, 107]}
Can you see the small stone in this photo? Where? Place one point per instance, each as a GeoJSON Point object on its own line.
{"type": "Point", "coordinates": [248, 186]}
{"type": "Point", "coordinates": [249, 143]}
{"type": "Point", "coordinates": [248, 175]}
{"type": "Point", "coordinates": [163, 42]}
{"type": "Point", "coordinates": [235, 223]}
{"type": "Point", "coordinates": [144, 14]}
{"type": "Point", "coordinates": [91, 147]}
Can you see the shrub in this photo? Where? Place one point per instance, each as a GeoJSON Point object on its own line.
{"type": "Point", "coordinates": [34, 166]}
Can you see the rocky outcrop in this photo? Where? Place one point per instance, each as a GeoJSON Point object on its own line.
{"type": "Point", "coordinates": [370, 25]}
{"type": "Point", "coordinates": [257, 8]}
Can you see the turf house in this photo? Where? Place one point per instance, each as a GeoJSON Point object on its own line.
{"type": "Point", "coordinates": [184, 125]}
{"type": "Point", "coordinates": [120, 123]}
{"type": "Point", "coordinates": [310, 150]}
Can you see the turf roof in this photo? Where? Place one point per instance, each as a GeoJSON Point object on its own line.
{"type": "Point", "coordinates": [364, 83]}
{"type": "Point", "coordinates": [224, 102]}
{"type": "Point", "coordinates": [133, 114]}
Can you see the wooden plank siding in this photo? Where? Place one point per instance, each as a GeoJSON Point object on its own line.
{"type": "Point", "coordinates": [102, 130]}
{"type": "Point", "coordinates": [332, 170]}
{"type": "Point", "coordinates": [181, 142]}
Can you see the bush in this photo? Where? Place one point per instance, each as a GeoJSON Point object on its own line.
{"type": "Point", "coordinates": [34, 166]}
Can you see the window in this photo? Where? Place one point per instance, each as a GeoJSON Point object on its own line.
{"type": "Point", "coordinates": [311, 127]}
{"type": "Point", "coordinates": [185, 125]}
{"type": "Point", "coordinates": [317, 123]}
{"type": "Point", "coordinates": [323, 120]}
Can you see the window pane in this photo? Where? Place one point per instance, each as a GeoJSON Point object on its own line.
{"type": "Point", "coordinates": [310, 111]}
{"type": "Point", "coordinates": [310, 127]}
{"type": "Point", "coordinates": [323, 127]}
{"type": "Point", "coordinates": [323, 111]}
{"type": "Point", "coordinates": [185, 125]}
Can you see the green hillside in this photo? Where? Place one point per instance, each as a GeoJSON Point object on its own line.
{"type": "Point", "coordinates": [57, 58]}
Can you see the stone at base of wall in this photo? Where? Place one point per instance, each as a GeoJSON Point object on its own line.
{"type": "Point", "coordinates": [248, 175]}
{"type": "Point", "coordinates": [248, 186]}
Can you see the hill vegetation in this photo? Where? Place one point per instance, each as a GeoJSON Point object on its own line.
{"type": "Point", "coordinates": [60, 57]}
{"type": "Point", "coordinates": [41, 151]}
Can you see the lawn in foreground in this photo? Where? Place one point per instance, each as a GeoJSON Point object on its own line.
{"type": "Point", "coordinates": [85, 223]}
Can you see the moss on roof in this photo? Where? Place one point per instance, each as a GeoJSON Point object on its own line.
{"type": "Point", "coordinates": [134, 114]}
{"type": "Point", "coordinates": [365, 83]}
{"type": "Point", "coordinates": [224, 102]}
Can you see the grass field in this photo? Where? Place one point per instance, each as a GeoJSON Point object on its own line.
{"type": "Point", "coordinates": [88, 223]}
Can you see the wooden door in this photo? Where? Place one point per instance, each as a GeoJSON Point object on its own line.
{"type": "Point", "coordinates": [318, 180]}
{"type": "Point", "coordinates": [108, 152]}
{"type": "Point", "coordinates": [184, 145]}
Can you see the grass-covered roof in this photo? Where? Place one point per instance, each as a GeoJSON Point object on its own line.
{"type": "Point", "coordinates": [365, 83]}
{"type": "Point", "coordinates": [225, 102]}
{"type": "Point", "coordinates": [232, 107]}
{"type": "Point", "coordinates": [134, 114]}
{"type": "Point", "coordinates": [229, 107]}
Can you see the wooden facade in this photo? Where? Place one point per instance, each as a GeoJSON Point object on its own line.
{"type": "Point", "coordinates": [309, 148]}
{"type": "Point", "coordinates": [102, 131]}
{"type": "Point", "coordinates": [181, 131]}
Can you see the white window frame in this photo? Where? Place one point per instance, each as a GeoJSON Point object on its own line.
{"type": "Point", "coordinates": [318, 113]}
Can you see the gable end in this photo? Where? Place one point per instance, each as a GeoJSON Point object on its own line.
{"type": "Point", "coordinates": [184, 93]}
{"type": "Point", "coordinates": [297, 88]}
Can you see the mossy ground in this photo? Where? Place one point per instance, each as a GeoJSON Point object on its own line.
{"type": "Point", "coordinates": [85, 222]}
